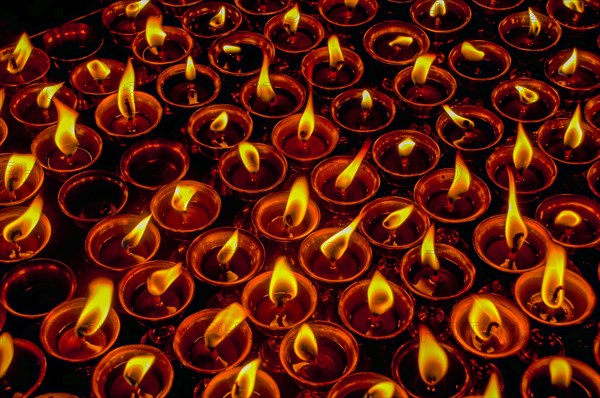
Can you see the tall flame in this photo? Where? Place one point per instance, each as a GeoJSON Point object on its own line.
{"type": "Point", "coordinates": [432, 359]}
{"type": "Point", "coordinates": [283, 285]}
{"type": "Point", "coordinates": [231, 49]}
{"type": "Point", "coordinates": [226, 321]}
{"type": "Point", "coordinates": [182, 196]}
{"type": "Point", "coordinates": [421, 68]}
{"type": "Point", "coordinates": [553, 292]}
{"type": "Point", "coordinates": [484, 317]}
{"type": "Point", "coordinates": [336, 57]}
{"type": "Point", "coordinates": [7, 351]}
{"type": "Point", "coordinates": [534, 24]}
{"type": "Point", "coordinates": [65, 137]}
{"type": "Point", "coordinates": [567, 218]}
{"type": "Point", "coordinates": [574, 133]}
{"type": "Point", "coordinates": [406, 147]}
{"type": "Point", "coordinates": [367, 102]}
{"type": "Point", "coordinates": [527, 95]}
{"type": "Point", "coordinates": [21, 227]}
{"type": "Point", "coordinates": [395, 219]}
{"type": "Point", "coordinates": [227, 251]}
{"type": "Point", "coordinates": [159, 281]}
{"type": "Point", "coordinates": [291, 19]}
{"type": "Point", "coordinates": [20, 55]}
{"type": "Point", "coordinates": [462, 122]}
{"type": "Point", "coordinates": [155, 35]}
{"type": "Point", "coordinates": [306, 127]}
{"type": "Point", "coordinates": [250, 157]}
{"type": "Point", "coordinates": [136, 368]}
{"type": "Point", "coordinates": [350, 3]}
{"type": "Point", "coordinates": [220, 122]}
{"type": "Point", "coordinates": [264, 89]}
{"type": "Point", "coordinates": [245, 380]}
{"type": "Point", "coordinates": [126, 93]}
{"type": "Point", "coordinates": [345, 178]}
{"type": "Point", "coordinates": [305, 344]}
{"type": "Point", "coordinates": [575, 5]}
{"type": "Point", "coordinates": [218, 20]}
{"type": "Point", "coordinates": [297, 203]}
{"type": "Point", "coordinates": [428, 256]}
{"type": "Point", "coordinates": [133, 238]}
{"type": "Point", "coordinates": [379, 294]}
{"type": "Point", "coordinates": [190, 69]}
{"type": "Point", "coordinates": [383, 389]}
{"type": "Point", "coordinates": [401, 41]}
{"type": "Point", "coordinates": [523, 151]}
{"type": "Point", "coordinates": [96, 307]}
{"type": "Point", "coordinates": [570, 65]}
{"type": "Point", "coordinates": [561, 372]}
{"type": "Point", "coordinates": [438, 9]}
{"type": "Point", "coordinates": [515, 229]}
{"type": "Point", "coordinates": [17, 170]}
{"type": "Point", "coordinates": [492, 390]}
{"type": "Point", "coordinates": [133, 9]}
{"type": "Point", "coordinates": [470, 52]}
{"type": "Point", "coordinates": [462, 179]}
{"type": "Point", "coordinates": [335, 247]}
{"type": "Point", "coordinates": [98, 70]}
{"type": "Point", "coordinates": [44, 97]}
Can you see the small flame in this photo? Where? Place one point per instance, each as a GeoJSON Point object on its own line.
{"type": "Point", "coordinates": [396, 219]}
{"type": "Point", "coordinates": [350, 3]}
{"type": "Point", "coordinates": [568, 218]}
{"type": "Point", "coordinates": [126, 93]}
{"type": "Point", "coordinates": [96, 307]}
{"type": "Point", "coordinates": [336, 57]}
{"type": "Point", "coordinates": [405, 148]}
{"type": "Point", "coordinates": [190, 69]}
{"type": "Point", "coordinates": [220, 122]}
{"type": "Point", "coordinates": [297, 203]}
{"type": "Point", "coordinates": [250, 157]}
{"type": "Point", "coordinates": [306, 127]}
{"type": "Point", "coordinates": [245, 380]}
{"type": "Point", "coordinates": [526, 95]}
{"type": "Point", "coordinates": [492, 390]}
{"type": "Point", "coordinates": [133, 9]}
{"type": "Point", "coordinates": [98, 69]}
{"type": "Point", "coordinates": [218, 19]}
{"type": "Point", "coordinates": [291, 19]}
{"type": "Point", "coordinates": [232, 49]}
{"type": "Point", "coordinates": [401, 41]}
{"type": "Point", "coordinates": [574, 133]}
{"type": "Point", "coordinates": [227, 251]}
{"type": "Point", "coordinates": [484, 317]}
{"type": "Point", "coordinates": [17, 170]}
{"type": "Point", "coordinates": [65, 137]}
{"type": "Point", "coordinates": [421, 68]}
{"type": "Point", "coordinates": [159, 281]}
{"type": "Point", "coordinates": [379, 294]}
{"type": "Point", "coordinates": [264, 89]}
{"type": "Point", "coordinates": [345, 178]}
{"type": "Point", "coordinates": [470, 52]}
{"type": "Point", "coordinates": [553, 292]}
{"type": "Point", "coordinates": [438, 9]}
{"type": "Point", "coordinates": [570, 65]}
{"type": "Point", "coordinates": [7, 351]}
{"type": "Point", "coordinates": [283, 285]}
{"type": "Point", "coordinates": [20, 55]}
{"type": "Point", "coordinates": [44, 97]}
{"type": "Point", "coordinates": [155, 35]}
{"type": "Point", "coordinates": [515, 229]}
{"type": "Point", "coordinates": [133, 238]}
{"type": "Point", "coordinates": [428, 256]}
{"type": "Point", "coordinates": [534, 24]}
{"type": "Point", "coordinates": [432, 359]}
{"type": "Point", "coordinates": [226, 321]}
{"type": "Point", "coordinates": [462, 179]}
{"type": "Point", "coordinates": [335, 247]}
{"type": "Point", "coordinates": [523, 151]}
{"type": "Point", "coordinates": [136, 368]}
{"type": "Point", "coordinates": [305, 344]}
{"type": "Point", "coordinates": [182, 196]}
{"type": "Point", "coordinates": [366, 104]}
{"type": "Point", "coordinates": [462, 122]}
{"type": "Point", "coordinates": [383, 389]}
{"type": "Point", "coordinates": [561, 372]}
{"type": "Point", "coordinates": [21, 227]}
{"type": "Point", "coordinates": [575, 5]}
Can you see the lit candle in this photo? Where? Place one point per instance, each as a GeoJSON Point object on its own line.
{"type": "Point", "coordinates": [17, 242]}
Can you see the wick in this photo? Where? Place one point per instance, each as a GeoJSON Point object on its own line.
{"type": "Point", "coordinates": [157, 51]}
{"type": "Point", "coordinates": [391, 239]}
{"type": "Point", "coordinates": [131, 126]}
{"type": "Point", "coordinates": [404, 164]}
{"type": "Point", "coordinates": [566, 235]}
{"type": "Point", "coordinates": [349, 14]}
{"type": "Point", "coordinates": [568, 152]}
{"type": "Point", "coordinates": [45, 114]}
{"type": "Point", "coordinates": [556, 292]}
{"type": "Point", "coordinates": [254, 178]}
{"type": "Point", "coordinates": [192, 94]}
{"type": "Point", "coordinates": [15, 246]}
{"type": "Point", "coordinates": [488, 330]}
{"type": "Point", "coordinates": [437, 22]}
{"type": "Point", "coordinates": [450, 205]}
{"type": "Point", "coordinates": [100, 83]}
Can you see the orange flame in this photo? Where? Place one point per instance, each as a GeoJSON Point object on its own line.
{"type": "Point", "coordinates": [133, 238]}
{"type": "Point", "coordinates": [96, 307]}
{"type": "Point", "coordinates": [136, 368]}
{"type": "Point", "coordinates": [226, 321]}
{"type": "Point", "coordinates": [283, 285]}
{"type": "Point", "coordinates": [350, 3]}
{"type": "Point", "coordinates": [305, 344]}
{"type": "Point", "coordinates": [231, 49]}
{"type": "Point", "coordinates": [218, 19]}
{"type": "Point", "coordinates": [190, 69]}
{"type": "Point", "coordinates": [401, 41]}
{"type": "Point", "coordinates": [155, 35]}
{"type": "Point", "coordinates": [534, 24]}
{"type": "Point", "coordinates": [574, 133]}
{"type": "Point", "coordinates": [527, 95]}
{"type": "Point", "coordinates": [428, 256]}
{"type": "Point", "coordinates": [245, 380]}
{"type": "Point", "coordinates": [379, 294]}
{"type": "Point", "coordinates": [65, 137]}
{"type": "Point", "coordinates": [249, 155]}
{"type": "Point", "coordinates": [98, 70]}
{"type": "Point", "coordinates": [336, 57]}
{"type": "Point", "coordinates": [492, 390]}
{"type": "Point", "coordinates": [126, 93]}
{"type": "Point", "coordinates": [523, 151]}
{"type": "Point", "coordinates": [570, 65]}
{"type": "Point", "coordinates": [438, 9]}
{"type": "Point", "coordinates": [291, 20]}
{"type": "Point", "coordinates": [366, 103]}
{"type": "Point", "coordinates": [306, 127]}
{"type": "Point", "coordinates": [182, 196]}
{"type": "Point", "coordinates": [44, 97]}
{"type": "Point", "coordinates": [462, 122]}
{"type": "Point", "coordinates": [567, 218]}
{"type": "Point", "coordinates": [21, 227]}
{"type": "Point", "coordinates": [20, 55]}
{"type": "Point", "coordinates": [470, 52]}
{"type": "Point", "coordinates": [264, 89]}
{"type": "Point", "coordinates": [17, 170]}
{"type": "Point", "coordinates": [297, 203]}
{"type": "Point", "coordinates": [7, 351]}
{"type": "Point", "coordinates": [335, 247]}
{"type": "Point", "coordinates": [133, 9]}
{"type": "Point", "coordinates": [561, 372]}
{"type": "Point", "coordinates": [462, 179]}
{"type": "Point", "coordinates": [396, 219]}
{"type": "Point", "coordinates": [2, 97]}
{"type": "Point", "coordinates": [220, 122]}
{"type": "Point", "coordinates": [515, 229]}
{"type": "Point", "coordinates": [345, 178]}
{"type": "Point", "coordinates": [421, 68]}
{"type": "Point", "coordinates": [575, 5]}
{"type": "Point", "coordinates": [553, 292]}
{"type": "Point", "coordinates": [432, 359]}
{"type": "Point", "coordinates": [227, 251]}
{"type": "Point", "coordinates": [484, 317]}
{"type": "Point", "coordinates": [159, 281]}
{"type": "Point", "coordinates": [383, 389]}
{"type": "Point", "coordinates": [405, 147]}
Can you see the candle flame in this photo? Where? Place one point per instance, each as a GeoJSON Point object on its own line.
{"type": "Point", "coordinates": [17, 170]}
{"type": "Point", "coordinates": [20, 55]}
{"type": "Point", "coordinates": [351, 3]}
{"type": "Point", "coordinates": [159, 281]}
{"type": "Point", "coordinates": [306, 127]}
{"type": "Point", "coordinates": [470, 52]}
{"type": "Point", "coordinates": [44, 97]}
{"type": "Point", "coordinates": [336, 57]}
{"type": "Point", "coordinates": [570, 65]}
{"type": "Point", "coordinates": [231, 49]}
{"type": "Point", "coordinates": [515, 229]}
{"type": "Point", "coordinates": [366, 104]}
{"type": "Point", "coordinates": [379, 294]}
{"type": "Point", "coordinates": [484, 318]}
{"type": "Point", "coordinates": [2, 97]}
{"type": "Point", "coordinates": [190, 69]}
{"type": "Point", "coordinates": [126, 93]}
{"type": "Point", "coordinates": [297, 203]}
{"type": "Point", "coordinates": [249, 155]}
{"type": "Point", "coordinates": [226, 321]}
{"type": "Point", "coordinates": [568, 218]}
{"type": "Point", "coordinates": [65, 137]}
{"type": "Point", "coordinates": [526, 95]}
{"type": "Point", "coordinates": [98, 70]}
{"type": "Point", "coordinates": [136, 368]}
{"type": "Point", "coordinates": [396, 219]}
{"type": "Point", "coordinates": [22, 226]}
{"type": "Point", "coordinates": [133, 9]}
{"type": "Point", "coordinates": [438, 9]}
{"type": "Point", "coordinates": [345, 178]}
{"type": "Point", "coordinates": [182, 196]}
{"type": "Point", "coordinates": [96, 307]}
{"type": "Point", "coordinates": [534, 24]}
{"type": "Point", "coordinates": [462, 179]}
{"type": "Point", "coordinates": [245, 380]}
{"type": "Point", "coordinates": [401, 41]}
{"type": "Point", "coordinates": [553, 292]}
{"type": "Point", "coordinates": [561, 372]}
{"type": "Point", "coordinates": [462, 122]}
{"type": "Point", "coordinates": [335, 247]}
{"type": "Point", "coordinates": [523, 151]}
{"type": "Point", "coordinates": [220, 122]}
{"type": "Point", "coordinates": [291, 20]}
{"type": "Point", "coordinates": [421, 68]}
{"type": "Point", "coordinates": [283, 285]}
{"type": "Point", "coordinates": [133, 238]}
{"type": "Point", "coordinates": [7, 352]}
{"type": "Point", "coordinates": [575, 5]}
{"type": "Point", "coordinates": [228, 250]}
{"type": "Point", "coordinates": [384, 389]}
{"type": "Point", "coordinates": [264, 89]}
{"type": "Point", "coordinates": [432, 359]}
{"type": "Point", "coordinates": [218, 20]}
{"type": "Point", "coordinates": [155, 35]}
{"type": "Point", "coordinates": [492, 390]}
{"type": "Point", "coordinates": [305, 344]}
{"type": "Point", "coordinates": [574, 133]}
{"type": "Point", "coordinates": [428, 256]}
{"type": "Point", "coordinates": [406, 147]}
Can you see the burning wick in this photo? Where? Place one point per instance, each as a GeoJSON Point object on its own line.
{"type": "Point", "coordinates": [250, 159]}
{"type": "Point", "coordinates": [133, 238]}
{"type": "Point", "coordinates": [569, 68]}
{"type": "Point", "coordinates": [522, 153]}
{"type": "Point", "coordinates": [155, 35]}
{"type": "Point", "coordinates": [190, 76]}
{"type": "Point", "coordinates": [126, 97]}
{"type": "Point", "coordinates": [21, 227]}
{"type": "Point", "coordinates": [225, 255]}
{"type": "Point", "coordinates": [218, 20]}
{"type": "Point", "coordinates": [393, 221]}
{"type": "Point", "coordinates": [283, 287]}
{"type": "Point", "coordinates": [405, 148]}
{"type": "Point", "coordinates": [19, 57]}
{"type": "Point", "coordinates": [366, 105]}
{"type": "Point", "coordinates": [380, 300]}
{"type": "Point", "coordinates": [44, 98]}
{"type": "Point", "coordinates": [305, 347]}
{"type": "Point", "coordinates": [336, 56]}
{"type": "Point", "coordinates": [428, 281]}
{"type": "Point", "coordinates": [296, 206]}
{"type": "Point", "coordinates": [345, 178]}
{"type": "Point", "coordinates": [159, 282]}
{"type": "Point", "coordinates": [99, 72]}
{"type": "Point", "coordinates": [224, 323]}
{"type": "Point", "coordinates": [290, 21]}
{"type": "Point", "coordinates": [460, 184]}
{"type": "Point", "coordinates": [399, 42]}
{"type": "Point", "coordinates": [351, 5]}
{"type": "Point", "coordinates": [337, 244]}
{"type": "Point", "coordinates": [234, 52]}
{"type": "Point", "coordinates": [568, 219]}
{"type": "Point", "coordinates": [515, 230]}
{"type": "Point", "coordinates": [133, 9]}
{"type": "Point", "coordinates": [437, 10]}
{"type": "Point", "coordinates": [134, 372]}
{"type": "Point", "coordinates": [17, 170]}
{"type": "Point", "coordinates": [217, 128]}
{"type": "Point", "coordinates": [573, 134]}
{"type": "Point", "coordinates": [534, 25]}
{"type": "Point", "coordinates": [306, 126]}
{"type": "Point", "coordinates": [486, 324]}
